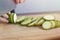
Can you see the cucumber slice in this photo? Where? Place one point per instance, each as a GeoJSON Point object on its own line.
{"type": "Point", "coordinates": [53, 24]}
{"type": "Point", "coordinates": [57, 23]}
{"type": "Point", "coordinates": [19, 20]}
{"type": "Point", "coordinates": [49, 17]}
{"type": "Point", "coordinates": [12, 18]}
{"type": "Point", "coordinates": [40, 22]}
{"type": "Point", "coordinates": [33, 22]}
{"type": "Point", "coordinates": [27, 21]}
{"type": "Point", "coordinates": [47, 25]}
{"type": "Point", "coordinates": [38, 19]}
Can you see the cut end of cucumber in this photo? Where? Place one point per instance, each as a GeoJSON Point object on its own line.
{"type": "Point", "coordinates": [15, 18]}
{"type": "Point", "coordinates": [12, 18]}
{"type": "Point", "coordinates": [49, 17]}
{"type": "Point", "coordinates": [47, 25]}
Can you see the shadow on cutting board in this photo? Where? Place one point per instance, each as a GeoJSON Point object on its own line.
{"type": "Point", "coordinates": [56, 38]}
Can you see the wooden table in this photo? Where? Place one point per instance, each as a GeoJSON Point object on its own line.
{"type": "Point", "coordinates": [17, 32]}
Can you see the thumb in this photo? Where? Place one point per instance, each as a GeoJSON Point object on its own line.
{"type": "Point", "coordinates": [3, 20]}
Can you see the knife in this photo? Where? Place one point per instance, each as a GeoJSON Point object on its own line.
{"type": "Point", "coordinates": [6, 6]}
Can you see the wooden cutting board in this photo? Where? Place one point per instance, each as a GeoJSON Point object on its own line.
{"type": "Point", "coordinates": [17, 32]}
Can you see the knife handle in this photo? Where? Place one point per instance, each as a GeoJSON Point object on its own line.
{"type": "Point", "coordinates": [13, 11]}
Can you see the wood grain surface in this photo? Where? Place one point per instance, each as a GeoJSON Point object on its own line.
{"type": "Point", "coordinates": [17, 32]}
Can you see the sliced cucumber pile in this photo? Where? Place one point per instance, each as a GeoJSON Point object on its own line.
{"type": "Point", "coordinates": [46, 22]}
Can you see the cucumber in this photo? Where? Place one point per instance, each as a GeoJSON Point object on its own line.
{"type": "Point", "coordinates": [19, 20]}
{"type": "Point", "coordinates": [49, 17]}
{"type": "Point", "coordinates": [47, 25]}
{"type": "Point", "coordinates": [12, 18]}
{"type": "Point", "coordinates": [40, 22]}
{"type": "Point", "coordinates": [53, 24]}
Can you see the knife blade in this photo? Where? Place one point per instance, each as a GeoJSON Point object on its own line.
{"type": "Point", "coordinates": [6, 6]}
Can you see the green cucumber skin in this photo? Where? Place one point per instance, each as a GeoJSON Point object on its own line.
{"type": "Point", "coordinates": [53, 26]}
{"type": "Point", "coordinates": [10, 17]}
{"type": "Point", "coordinates": [40, 22]}
{"type": "Point", "coordinates": [57, 23]}
{"type": "Point", "coordinates": [34, 22]}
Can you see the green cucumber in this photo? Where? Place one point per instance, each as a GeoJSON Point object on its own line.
{"type": "Point", "coordinates": [49, 17]}
{"type": "Point", "coordinates": [47, 25]}
{"type": "Point", "coordinates": [12, 18]}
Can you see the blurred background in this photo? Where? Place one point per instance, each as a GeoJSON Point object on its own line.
{"type": "Point", "coordinates": [38, 6]}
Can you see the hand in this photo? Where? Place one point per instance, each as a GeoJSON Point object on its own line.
{"type": "Point", "coordinates": [4, 18]}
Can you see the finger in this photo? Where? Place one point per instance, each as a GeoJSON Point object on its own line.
{"type": "Point", "coordinates": [8, 13]}
{"type": "Point", "coordinates": [16, 1]}
{"type": "Point", "coordinates": [3, 20]}
{"type": "Point", "coordinates": [5, 16]}
{"type": "Point", "coordinates": [21, 1]}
